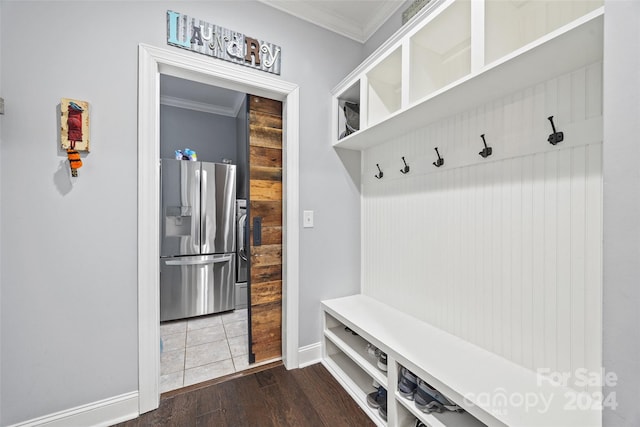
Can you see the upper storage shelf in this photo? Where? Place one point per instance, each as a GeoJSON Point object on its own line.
{"type": "Point", "coordinates": [459, 54]}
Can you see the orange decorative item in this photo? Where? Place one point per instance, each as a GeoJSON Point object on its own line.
{"type": "Point", "coordinates": [74, 161]}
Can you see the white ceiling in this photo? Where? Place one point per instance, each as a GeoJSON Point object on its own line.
{"type": "Point", "coordinates": [356, 19]}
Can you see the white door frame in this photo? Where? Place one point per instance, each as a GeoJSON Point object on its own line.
{"type": "Point", "coordinates": [153, 61]}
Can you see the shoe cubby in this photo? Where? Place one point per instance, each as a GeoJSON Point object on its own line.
{"type": "Point", "coordinates": [408, 412]}
{"type": "Point", "coordinates": [440, 53]}
{"type": "Point", "coordinates": [348, 98]}
{"type": "Point", "coordinates": [384, 87]}
{"type": "Point", "coordinates": [478, 381]}
{"type": "Point", "coordinates": [355, 347]}
{"type": "Point", "coordinates": [358, 382]}
{"type": "Point", "coordinates": [512, 24]}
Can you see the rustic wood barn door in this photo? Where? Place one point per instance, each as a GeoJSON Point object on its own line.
{"type": "Point", "coordinates": [265, 222]}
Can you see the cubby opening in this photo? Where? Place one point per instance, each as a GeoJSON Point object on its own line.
{"type": "Point", "coordinates": [440, 53]}
{"type": "Point", "coordinates": [357, 380]}
{"type": "Point", "coordinates": [512, 24]}
{"type": "Point", "coordinates": [356, 347]}
{"type": "Point", "coordinates": [360, 378]}
{"type": "Point", "coordinates": [349, 111]}
{"type": "Point", "coordinates": [408, 412]}
{"type": "Point", "coordinates": [385, 88]}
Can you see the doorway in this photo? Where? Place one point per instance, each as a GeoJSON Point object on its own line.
{"type": "Point", "coordinates": [153, 62]}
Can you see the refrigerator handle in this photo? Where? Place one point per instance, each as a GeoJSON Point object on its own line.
{"type": "Point", "coordinates": [204, 236]}
{"type": "Point", "coordinates": [242, 251]}
{"type": "Point", "coordinates": [197, 232]}
{"type": "Point", "coordinates": [226, 258]}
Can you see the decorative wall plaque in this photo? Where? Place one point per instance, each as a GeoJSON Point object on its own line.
{"type": "Point", "coordinates": [218, 42]}
{"type": "Point", "coordinates": [74, 124]}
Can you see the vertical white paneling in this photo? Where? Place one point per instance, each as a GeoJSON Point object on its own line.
{"type": "Point", "coordinates": [527, 120]}
{"type": "Point", "coordinates": [515, 281]}
{"type": "Point", "coordinates": [593, 95]}
{"type": "Point", "coordinates": [472, 241]}
{"type": "Point", "coordinates": [562, 115]}
{"type": "Point", "coordinates": [578, 95]}
{"type": "Point", "coordinates": [485, 297]}
{"type": "Point", "coordinates": [497, 259]}
{"type": "Point", "coordinates": [578, 231]}
{"type": "Point", "coordinates": [551, 100]}
{"type": "Point", "coordinates": [563, 242]}
{"type": "Point", "coordinates": [505, 252]}
{"type": "Point", "coordinates": [540, 124]}
{"type": "Point", "coordinates": [507, 324]}
{"type": "Point", "coordinates": [515, 142]}
{"type": "Point", "coordinates": [527, 262]}
{"type": "Point", "coordinates": [550, 259]}
{"type": "Point", "coordinates": [593, 259]}
{"type": "Point", "coordinates": [538, 304]}
{"type": "Point", "coordinates": [461, 230]}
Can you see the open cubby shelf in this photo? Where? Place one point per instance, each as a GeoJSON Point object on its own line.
{"type": "Point", "coordinates": [439, 419]}
{"type": "Point", "coordinates": [356, 347]}
{"type": "Point", "coordinates": [467, 374]}
{"type": "Point", "coordinates": [462, 54]}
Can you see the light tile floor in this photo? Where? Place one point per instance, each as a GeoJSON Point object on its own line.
{"type": "Point", "coordinates": [203, 348]}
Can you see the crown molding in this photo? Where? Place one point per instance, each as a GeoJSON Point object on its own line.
{"type": "Point", "coordinates": [329, 20]}
{"type": "Point", "coordinates": [201, 106]}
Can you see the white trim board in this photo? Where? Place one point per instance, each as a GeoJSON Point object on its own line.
{"type": "Point", "coordinates": [152, 62]}
{"type": "Point", "coordinates": [309, 355]}
{"type": "Point", "coordinates": [101, 413]}
{"type": "Point", "coordinates": [173, 101]}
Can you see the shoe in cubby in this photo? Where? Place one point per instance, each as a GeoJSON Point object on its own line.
{"type": "Point", "coordinates": [382, 411]}
{"type": "Point", "coordinates": [382, 362]}
{"type": "Point", "coordinates": [427, 399]}
{"type": "Point", "coordinates": [372, 350]}
{"type": "Point", "coordinates": [407, 384]}
{"type": "Point", "coordinates": [377, 398]}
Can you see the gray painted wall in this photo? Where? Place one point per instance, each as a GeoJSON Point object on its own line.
{"type": "Point", "coordinates": [621, 153]}
{"type": "Point", "coordinates": [211, 136]}
{"type": "Point", "coordinates": [69, 275]}
{"type": "Point", "coordinates": [386, 30]}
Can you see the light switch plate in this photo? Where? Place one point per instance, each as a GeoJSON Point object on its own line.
{"type": "Point", "coordinates": [307, 219]}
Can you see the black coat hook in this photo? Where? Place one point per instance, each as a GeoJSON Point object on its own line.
{"type": "Point", "coordinates": [555, 137]}
{"type": "Point", "coordinates": [380, 174]}
{"type": "Point", "coordinates": [487, 151]}
{"type": "Point", "coordinates": [440, 160]}
{"type": "Point", "coordinates": [405, 169]}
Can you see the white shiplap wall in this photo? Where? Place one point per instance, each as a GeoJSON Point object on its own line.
{"type": "Point", "coordinates": [505, 252]}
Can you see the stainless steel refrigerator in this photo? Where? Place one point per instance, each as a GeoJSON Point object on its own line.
{"type": "Point", "coordinates": [198, 237]}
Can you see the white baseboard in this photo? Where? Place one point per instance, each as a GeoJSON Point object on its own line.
{"type": "Point", "coordinates": [102, 413]}
{"type": "Point", "coordinates": [309, 354]}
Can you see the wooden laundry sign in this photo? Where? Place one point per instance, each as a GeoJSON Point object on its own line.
{"type": "Point", "coordinates": [218, 42]}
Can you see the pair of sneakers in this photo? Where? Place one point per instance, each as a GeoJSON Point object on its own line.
{"type": "Point", "coordinates": [378, 400]}
{"type": "Point", "coordinates": [378, 354]}
{"type": "Point", "coordinates": [426, 398]}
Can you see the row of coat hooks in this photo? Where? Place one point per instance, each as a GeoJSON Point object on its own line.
{"type": "Point", "coordinates": [553, 139]}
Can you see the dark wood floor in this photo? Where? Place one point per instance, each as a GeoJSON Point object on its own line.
{"type": "Point", "coordinates": [275, 397]}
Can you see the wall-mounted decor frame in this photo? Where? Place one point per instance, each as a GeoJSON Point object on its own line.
{"type": "Point", "coordinates": [74, 124]}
